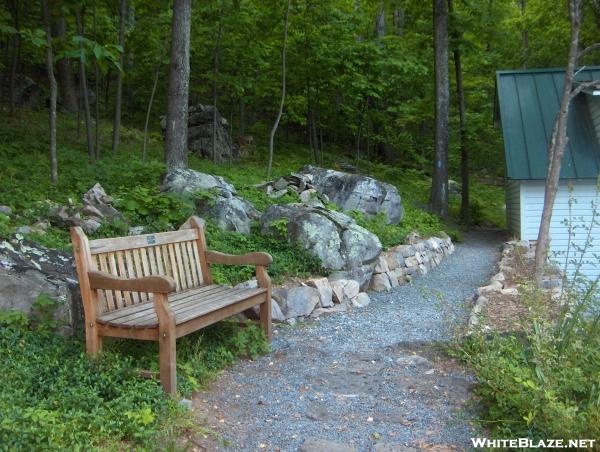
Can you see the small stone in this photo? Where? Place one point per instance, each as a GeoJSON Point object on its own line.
{"type": "Point", "coordinates": [325, 291]}
{"type": "Point", "coordinates": [337, 288]}
{"type": "Point", "coordinates": [381, 266]}
{"type": "Point", "coordinates": [411, 261]}
{"type": "Point", "coordinates": [351, 289]}
{"type": "Point", "coordinates": [24, 230]}
{"type": "Point", "coordinates": [511, 291]}
{"type": "Point", "coordinates": [391, 260]}
{"type": "Point", "coordinates": [422, 269]}
{"type": "Point", "coordinates": [278, 194]}
{"type": "Point", "coordinates": [393, 280]}
{"type": "Point", "coordinates": [499, 277]}
{"type": "Point", "coordinates": [495, 286]}
{"type": "Point", "coordinates": [280, 184]}
{"type": "Point", "coordinates": [380, 282]}
{"type": "Point", "coordinates": [300, 301]}
{"type": "Point", "coordinates": [361, 300]}
{"type": "Point", "coordinates": [308, 196]}
{"type": "Point", "coordinates": [41, 226]}
{"type": "Point", "coordinates": [6, 210]}
{"type": "Point", "coordinates": [91, 211]}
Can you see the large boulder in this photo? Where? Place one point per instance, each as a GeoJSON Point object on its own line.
{"type": "Point", "coordinates": [200, 134]}
{"type": "Point", "coordinates": [214, 198]}
{"type": "Point", "coordinates": [28, 270]}
{"type": "Point", "coordinates": [332, 237]}
{"type": "Point", "coordinates": [354, 192]}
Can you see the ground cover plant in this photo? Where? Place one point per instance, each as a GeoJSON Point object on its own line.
{"type": "Point", "coordinates": [56, 398]}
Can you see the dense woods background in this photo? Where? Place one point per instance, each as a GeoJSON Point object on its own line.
{"type": "Point", "coordinates": [359, 73]}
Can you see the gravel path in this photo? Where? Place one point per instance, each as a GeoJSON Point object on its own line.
{"type": "Point", "coordinates": [370, 379]}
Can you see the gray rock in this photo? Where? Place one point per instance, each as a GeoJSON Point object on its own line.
{"type": "Point", "coordinates": [28, 270]}
{"type": "Point", "coordinates": [200, 134]}
{"type": "Point", "coordinates": [337, 289]}
{"type": "Point", "coordinates": [361, 300]}
{"type": "Point", "coordinates": [222, 205]}
{"type": "Point", "coordinates": [382, 265]}
{"type": "Point", "coordinates": [136, 230]}
{"type": "Point", "coordinates": [353, 192]}
{"type": "Point", "coordinates": [332, 237]}
{"type": "Point", "coordinates": [323, 445]}
{"type": "Point", "coordinates": [25, 230]}
{"type": "Point", "coordinates": [100, 204]}
{"type": "Point", "coordinates": [351, 289]}
{"type": "Point", "coordinates": [299, 301]}
{"type": "Point", "coordinates": [381, 282]}
{"type": "Point", "coordinates": [325, 291]}
{"type": "Point", "coordinates": [6, 210]}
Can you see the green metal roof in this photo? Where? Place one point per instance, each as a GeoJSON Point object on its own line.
{"type": "Point", "coordinates": [529, 102]}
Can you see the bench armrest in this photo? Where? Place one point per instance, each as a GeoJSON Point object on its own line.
{"type": "Point", "coordinates": [149, 284]}
{"type": "Point", "coordinates": [258, 259]}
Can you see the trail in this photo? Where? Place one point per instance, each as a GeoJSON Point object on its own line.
{"type": "Point", "coordinates": [372, 379]}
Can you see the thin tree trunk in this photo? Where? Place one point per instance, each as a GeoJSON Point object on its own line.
{"type": "Point", "coordinates": [558, 142]}
{"type": "Point", "coordinates": [464, 151]}
{"type": "Point", "coordinates": [439, 187]}
{"type": "Point", "coordinates": [179, 79]}
{"type": "Point", "coordinates": [97, 88]}
{"type": "Point", "coordinates": [16, 38]}
{"type": "Point", "coordinates": [524, 36]}
{"type": "Point", "coordinates": [119, 95]}
{"type": "Point", "coordinates": [148, 110]}
{"type": "Point", "coordinates": [66, 82]}
{"type": "Point", "coordinates": [107, 89]}
{"type": "Point", "coordinates": [214, 85]}
{"type": "Point", "coordinates": [242, 117]}
{"type": "Point", "coordinates": [280, 112]}
{"type": "Point", "coordinates": [84, 92]}
{"type": "Point", "coordinates": [53, 92]}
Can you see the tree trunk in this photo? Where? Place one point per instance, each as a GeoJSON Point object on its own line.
{"type": "Point", "coordinates": [119, 95]}
{"type": "Point", "coordinates": [464, 151]}
{"type": "Point", "coordinates": [280, 112]}
{"type": "Point", "coordinates": [84, 92]}
{"type": "Point", "coordinates": [242, 117]}
{"type": "Point", "coordinates": [179, 79]}
{"type": "Point", "coordinates": [53, 93]}
{"type": "Point", "coordinates": [439, 187]}
{"type": "Point", "coordinates": [66, 81]}
{"type": "Point", "coordinates": [149, 110]}
{"type": "Point", "coordinates": [214, 85]}
{"type": "Point", "coordinates": [524, 36]}
{"type": "Point", "coordinates": [556, 147]}
{"type": "Point", "coordinates": [16, 39]}
{"type": "Point", "coordinates": [398, 19]}
{"type": "Point", "coordinates": [97, 88]}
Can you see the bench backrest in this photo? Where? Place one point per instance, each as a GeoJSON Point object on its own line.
{"type": "Point", "coordinates": [178, 254]}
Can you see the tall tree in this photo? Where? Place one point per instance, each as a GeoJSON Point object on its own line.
{"type": "Point", "coordinates": [179, 79]}
{"type": "Point", "coordinates": [216, 54]}
{"type": "Point", "coordinates": [462, 116]}
{"type": "Point", "coordinates": [283, 83]}
{"type": "Point", "coordinates": [438, 200]}
{"type": "Point", "coordinates": [97, 88]}
{"type": "Point", "coordinates": [16, 54]}
{"type": "Point", "coordinates": [53, 91]}
{"type": "Point", "coordinates": [558, 140]}
{"type": "Point", "coordinates": [66, 82]}
{"type": "Point", "coordinates": [84, 88]}
{"type": "Point", "coordinates": [119, 95]}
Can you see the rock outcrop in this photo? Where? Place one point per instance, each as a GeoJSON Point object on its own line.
{"type": "Point", "coordinates": [200, 134]}
{"type": "Point", "coordinates": [354, 192]}
{"type": "Point", "coordinates": [28, 270]}
{"type": "Point", "coordinates": [332, 237]}
{"type": "Point", "coordinates": [214, 198]}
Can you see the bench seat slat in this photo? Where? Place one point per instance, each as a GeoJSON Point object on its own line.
{"type": "Point", "coordinates": [141, 241]}
{"type": "Point", "coordinates": [185, 305]}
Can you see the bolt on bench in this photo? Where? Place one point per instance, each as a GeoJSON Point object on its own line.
{"type": "Point", "coordinates": [158, 287]}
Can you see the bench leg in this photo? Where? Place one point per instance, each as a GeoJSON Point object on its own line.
{"type": "Point", "coordinates": [265, 318]}
{"type": "Point", "coordinates": [93, 341]}
{"type": "Point", "coordinates": [168, 361]}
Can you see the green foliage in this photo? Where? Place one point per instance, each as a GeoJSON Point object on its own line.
{"type": "Point", "coordinates": [287, 259]}
{"type": "Point", "coordinates": [5, 228]}
{"type": "Point", "coordinates": [42, 313]}
{"type": "Point", "coordinates": [148, 206]}
{"type": "Point", "coordinates": [55, 398]}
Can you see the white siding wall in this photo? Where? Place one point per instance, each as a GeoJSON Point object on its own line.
{"type": "Point", "coordinates": [594, 106]}
{"type": "Point", "coordinates": [584, 193]}
{"type": "Point", "coordinates": [513, 207]}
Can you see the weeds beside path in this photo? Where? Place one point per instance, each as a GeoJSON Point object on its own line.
{"type": "Point", "coordinates": [372, 379]}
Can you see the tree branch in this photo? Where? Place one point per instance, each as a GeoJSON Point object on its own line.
{"type": "Point", "coordinates": [588, 50]}
{"type": "Point", "coordinates": [584, 86]}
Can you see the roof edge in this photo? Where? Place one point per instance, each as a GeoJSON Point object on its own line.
{"type": "Point", "coordinates": [542, 70]}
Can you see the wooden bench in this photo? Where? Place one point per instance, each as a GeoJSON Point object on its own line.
{"type": "Point", "coordinates": [158, 287]}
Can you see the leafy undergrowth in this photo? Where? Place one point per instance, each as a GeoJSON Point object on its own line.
{"type": "Point", "coordinates": [56, 398]}
{"type": "Point", "coordinates": [542, 382]}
